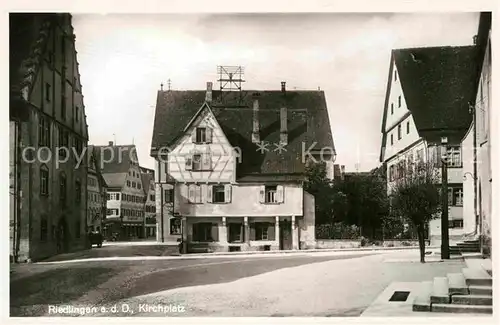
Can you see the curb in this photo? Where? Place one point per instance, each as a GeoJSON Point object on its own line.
{"type": "Point", "coordinates": [305, 251]}
{"type": "Point", "coordinates": [237, 254]}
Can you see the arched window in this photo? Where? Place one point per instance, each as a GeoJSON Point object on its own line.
{"type": "Point", "coordinates": [44, 180]}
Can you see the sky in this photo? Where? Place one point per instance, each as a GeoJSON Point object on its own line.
{"type": "Point", "coordinates": [123, 59]}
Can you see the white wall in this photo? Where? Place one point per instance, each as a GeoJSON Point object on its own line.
{"type": "Point", "coordinates": [468, 183]}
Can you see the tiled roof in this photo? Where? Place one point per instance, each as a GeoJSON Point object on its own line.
{"type": "Point", "coordinates": [146, 180]}
{"type": "Point", "coordinates": [439, 84]}
{"type": "Point", "coordinates": [116, 158]}
{"type": "Point", "coordinates": [27, 37]}
{"type": "Point", "coordinates": [115, 180]}
{"type": "Point", "coordinates": [308, 122]}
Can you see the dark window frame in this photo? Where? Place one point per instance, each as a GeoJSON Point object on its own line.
{"type": "Point", "coordinates": [218, 194]}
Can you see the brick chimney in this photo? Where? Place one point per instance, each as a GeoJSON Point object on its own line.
{"type": "Point", "coordinates": [284, 126]}
{"type": "Point", "coordinates": [208, 96]}
{"type": "Point", "coordinates": [110, 143]}
{"type": "Point", "coordinates": [256, 124]}
{"type": "Point", "coordinates": [283, 86]}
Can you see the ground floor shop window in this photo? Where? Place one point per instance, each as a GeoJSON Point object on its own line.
{"type": "Point", "coordinates": [235, 232]}
{"type": "Point", "coordinates": [175, 226]}
{"type": "Point", "coordinates": [202, 232]}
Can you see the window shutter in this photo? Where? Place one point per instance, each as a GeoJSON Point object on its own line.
{"type": "Point", "coordinates": [280, 193]}
{"type": "Point", "coordinates": [193, 135]}
{"type": "Point", "coordinates": [227, 193]}
{"type": "Point", "coordinates": [198, 194]}
{"type": "Point", "coordinates": [207, 161]}
{"type": "Point", "coordinates": [215, 232]}
{"type": "Point", "coordinates": [262, 194]}
{"type": "Point", "coordinates": [252, 231]}
{"type": "Point", "coordinates": [271, 231]}
{"type": "Point", "coordinates": [189, 163]}
{"type": "Point", "coordinates": [209, 135]}
{"type": "Point", "coordinates": [191, 193]}
{"type": "Point", "coordinates": [209, 193]}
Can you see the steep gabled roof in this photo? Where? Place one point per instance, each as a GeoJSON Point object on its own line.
{"type": "Point", "coordinates": [438, 84]}
{"type": "Point", "coordinates": [308, 122]}
{"type": "Point", "coordinates": [115, 162]}
{"type": "Point", "coordinates": [146, 181]}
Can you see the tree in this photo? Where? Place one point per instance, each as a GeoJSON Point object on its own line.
{"type": "Point", "coordinates": [326, 195]}
{"type": "Point", "coordinates": [417, 198]}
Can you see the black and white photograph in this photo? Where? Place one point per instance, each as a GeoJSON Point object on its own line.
{"type": "Point", "coordinates": [253, 163]}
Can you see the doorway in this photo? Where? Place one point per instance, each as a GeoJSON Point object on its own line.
{"type": "Point", "coordinates": [285, 235]}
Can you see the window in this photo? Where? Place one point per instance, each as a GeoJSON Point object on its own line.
{"type": "Point", "coordinates": [408, 127]}
{"type": "Point", "coordinates": [44, 228]}
{"type": "Point", "coordinates": [261, 231]}
{"type": "Point", "coordinates": [78, 192]}
{"type": "Point", "coordinates": [197, 162]}
{"type": "Point", "coordinates": [455, 195]}
{"type": "Point", "coordinates": [392, 139]}
{"type": "Point", "coordinates": [77, 112]}
{"type": "Point", "coordinates": [194, 194]}
{"type": "Point", "coordinates": [139, 186]}
{"type": "Point", "coordinates": [133, 184]}
{"type": "Point", "coordinates": [454, 156]}
{"type": "Point", "coordinates": [457, 223]}
{"type": "Point", "coordinates": [47, 91]}
{"type": "Point", "coordinates": [108, 196]}
{"type": "Point", "coordinates": [271, 196]}
{"type": "Point", "coordinates": [201, 135]}
{"type": "Point", "coordinates": [44, 180]}
{"type": "Point", "coordinates": [152, 197]}
{"type": "Point", "coordinates": [128, 183]}
{"type": "Point", "coordinates": [118, 196]}
{"type": "Point", "coordinates": [392, 108]}
{"type": "Point", "coordinates": [109, 212]}
{"type": "Point", "coordinates": [399, 132]}
{"type": "Point", "coordinates": [43, 132]}
{"type": "Point", "coordinates": [168, 195]}
{"type": "Point", "coordinates": [175, 226]}
{"type": "Point", "coordinates": [235, 232]}
{"type": "Point", "coordinates": [63, 143]}
{"type": "Point", "coordinates": [202, 232]}
{"type": "Point", "coordinates": [399, 101]}
{"type": "Point", "coordinates": [219, 194]}
{"type": "Point", "coordinates": [62, 189]}
{"type": "Point", "coordinates": [77, 228]}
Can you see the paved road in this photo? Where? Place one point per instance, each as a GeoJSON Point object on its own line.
{"type": "Point", "coordinates": [34, 287]}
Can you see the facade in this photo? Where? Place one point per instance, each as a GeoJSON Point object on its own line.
{"type": "Point", "coordinates": [230, 167]}
{"type": "Point", "coordinates": [148, 184]}
{"type": "Point", "coordinates": [48, 132]}
{"type": "Point", "coordinates": [417, 115]}
{"type": "Point", "coordinates": [96, 191]}
{"type": "Point", "coordinates": [125, 195]}
{"type": "Point", "coordinates": [480, 171]}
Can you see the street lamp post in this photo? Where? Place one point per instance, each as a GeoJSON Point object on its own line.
{"type": "Point", "coordinates": [445, 241]}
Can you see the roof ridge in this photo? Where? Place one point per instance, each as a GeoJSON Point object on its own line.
{"type": "Point", "coordinates": [433, 47]}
